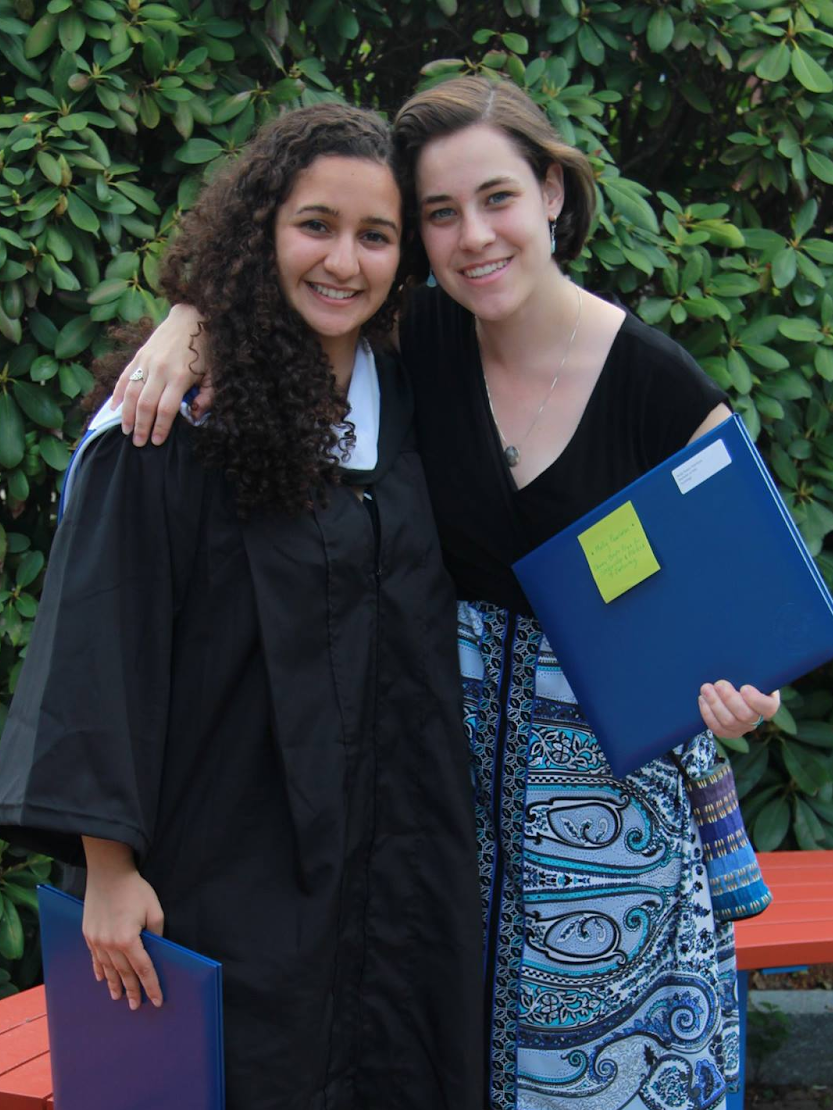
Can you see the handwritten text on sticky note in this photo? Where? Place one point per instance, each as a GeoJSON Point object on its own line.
{"type": "Point", "coordinates": [618, 552]}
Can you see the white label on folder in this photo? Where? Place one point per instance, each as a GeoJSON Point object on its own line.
{"type": "Point", "coordinates": [703, 465]}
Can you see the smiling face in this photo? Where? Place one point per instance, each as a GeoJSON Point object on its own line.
{"type": "Point", "coordinates": [337, 246]}
{"type": "Point", "coordinates": [484, 220]}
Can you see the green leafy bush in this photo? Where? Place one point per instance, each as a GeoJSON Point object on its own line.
{"type": "Point", "coordinates": [708, 125]}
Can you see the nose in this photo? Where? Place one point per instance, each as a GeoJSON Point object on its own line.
{"type": "Point", "coordinates": [475, 231]}
{"type": "Point", "coordinates": [342, 259]}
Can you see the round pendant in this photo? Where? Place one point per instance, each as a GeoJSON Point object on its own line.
{"type": "Point", "coordinates": [512, 456]}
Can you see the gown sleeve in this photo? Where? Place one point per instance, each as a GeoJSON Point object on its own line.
{"type": "Point", "coordinates": [83, 748]}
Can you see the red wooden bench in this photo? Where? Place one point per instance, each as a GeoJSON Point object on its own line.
{"type": "Point", "coordinates": [25, 1077]}
{"type": "Point", "coordinates": [796, 929]}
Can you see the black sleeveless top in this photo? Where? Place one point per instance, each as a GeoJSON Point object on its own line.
{"type": "Point", "coordinates": [650, 398]}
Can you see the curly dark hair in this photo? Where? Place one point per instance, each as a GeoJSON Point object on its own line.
{"type": "Point", "coordinates": [276, 399]}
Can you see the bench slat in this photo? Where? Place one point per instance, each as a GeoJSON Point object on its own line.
{"type": "Point", "coordinates": [28, 1087]}
{"type": "Point", "coordinates": [783, 944]}
{"type": "Point", "coordinates": [24, 1042]}
{"type": "Point", "coordinates": [22, 1007]}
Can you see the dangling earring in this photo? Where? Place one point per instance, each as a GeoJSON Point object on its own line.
{"type": "Point", "coordinates": [553, 240]}
{"type": "Point", "coordinates": [432, 281]}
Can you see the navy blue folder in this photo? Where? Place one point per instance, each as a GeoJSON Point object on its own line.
{"type": "Point", "coordinates": [737, 596]}
{"type": "Point", "coordinates": [104, 1054]}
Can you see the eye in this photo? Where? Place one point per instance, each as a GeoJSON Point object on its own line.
{"type": "Point", "coordinates": [440, 214]}
{"type": "Point", "coordinates": [376, 238]}
{"type": "Point", "coordinates": [499, 197]}
{"type": "Point", "coordinates": [314, 225]}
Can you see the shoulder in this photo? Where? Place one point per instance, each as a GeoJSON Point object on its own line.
{"type": "Point", "coordinates": [656, 351]}
{"type": "Point", "coordinates": [668, 393]}
{"type": "Point", "coordinates": [657, 362]}
{"type": "Point", "coordinates": [109, 467]}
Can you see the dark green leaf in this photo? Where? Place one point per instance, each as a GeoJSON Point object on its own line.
{"type": "Point", "coordinates": [632, 206]}
{"type": "Point", "coordinates": [775, 63]}
{"type": "Point", "coordinates": [109, 290]}
{"type": "Point", "coordinates": [21, 895]}
{"type": "Point", "coordinates": [81, 214]}
{"type": "Point", "coordinates": [514, 42]}
{"type": "Point", "coordinates": [802, 330]}
{"type": "Point", "coordinates": [196, 151]}
{"type": "Point", "coordinates": [808, 71]}
{"type": "Point", "coordinates": [54, 452]}
{"type": "Point", "coordinates": [820, 249]}
{"type": "Point", "coordinates": [42, 35]}
{"type": "Point", "coordinates": [820, 166]}
{"type": "Point", "coordinates": [12, 441]}
{"type": "Point", "coordinates": [696, 97]}
{"type": "Point", "coordinates": [43, 368]}
{"type": "Point", "coordinates": [783, 267]}
{"type": "Point", "coordinates": [660, 30]}
{"type": "Point", "coordinates": [11, 932]}
{"type": "Point", "coordinates": [817, 733]}
{"type": "Point", "coordinates": [49, 167]}
{"type": "Point", "coordinates": [38, 404]}
{"type": "Point", "coordinates": [74, 338]}
{"type": "Point", "coordinates": [71, 31]}
{"type": "Point", "coordinates": [590, 46]}
{"type": "Point", "coordinates": [29, 568]}
{"type": "Point", "coordinates": [805, 826]}
{"type": "Point", "coordinates": [796, 770]}
{"type": "Point", "coordinates": [771, 825]}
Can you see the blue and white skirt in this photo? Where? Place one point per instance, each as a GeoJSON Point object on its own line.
{"type": "Point", "coordinates": [607, 983]}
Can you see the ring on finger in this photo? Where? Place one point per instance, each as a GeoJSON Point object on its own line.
{"type": "Point", "coordinates": [138, 375]}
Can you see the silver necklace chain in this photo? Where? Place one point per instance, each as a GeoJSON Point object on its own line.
{"type": "Point", "coordinates": [512, 452]}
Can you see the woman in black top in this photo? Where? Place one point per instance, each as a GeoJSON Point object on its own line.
{"type": "Point", "coordinates": [606, 979]}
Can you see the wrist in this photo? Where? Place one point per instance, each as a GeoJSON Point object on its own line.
{"type": "Point", "coordinates": [108, 857]}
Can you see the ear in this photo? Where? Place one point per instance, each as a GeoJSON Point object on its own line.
{"type": "Point", "coordinates": [552, 190]}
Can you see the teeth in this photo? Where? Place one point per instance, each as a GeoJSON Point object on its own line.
{"type": "Point", "coordinates": [481, 271]}
{"type": "Point", "coordinates": [334, 294]}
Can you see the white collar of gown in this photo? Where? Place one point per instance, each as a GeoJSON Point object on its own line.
{"type": "Point", "coordinates": [363, 396]}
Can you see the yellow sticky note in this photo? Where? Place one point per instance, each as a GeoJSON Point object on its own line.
{"type": "Point", "coordinates": [618, 552]}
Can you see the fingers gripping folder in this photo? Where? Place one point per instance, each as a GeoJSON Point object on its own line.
{"type": "Point", "coordinates": [642, 605]}
{"type": "Point", "coordinates": [106, 1055]}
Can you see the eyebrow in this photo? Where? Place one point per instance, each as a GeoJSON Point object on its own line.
{"type": "Point", "coordinates": [374, 221]}
{"type": "Point", "coordinates": [490, 184]}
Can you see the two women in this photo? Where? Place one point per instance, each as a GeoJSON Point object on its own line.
{"type": "Point", "coordinates": [239, 705]}
{"type": "Point", "coordinates": [605, 978]}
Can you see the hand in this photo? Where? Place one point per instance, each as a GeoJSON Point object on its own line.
{"type": "Point", "coordinates": [731, 713]}
{"type": "Point", "coordinates": [170, 369]}
{"type": "Point", "coordinates": [118, 904]}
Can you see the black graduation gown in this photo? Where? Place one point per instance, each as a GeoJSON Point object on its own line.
{"type": "Point", "coordinates": [268, 713]}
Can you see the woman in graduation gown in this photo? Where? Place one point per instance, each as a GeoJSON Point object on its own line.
{"type": "Point", "coordinates": [240, 696]}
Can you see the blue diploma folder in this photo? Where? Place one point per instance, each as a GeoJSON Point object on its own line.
{"type": "Point", "coordinates": [103, 1054]}
{"type": "Point", "coordinates": [737, 596]}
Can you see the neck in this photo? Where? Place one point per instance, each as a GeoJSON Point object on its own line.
{"type": "Point", "coordinates": [526, 339]}
{"type": "Point", "coordinates": [341, 353]}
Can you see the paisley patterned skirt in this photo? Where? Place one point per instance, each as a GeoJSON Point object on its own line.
{"type": "Point", "coordinates": [607, 983]}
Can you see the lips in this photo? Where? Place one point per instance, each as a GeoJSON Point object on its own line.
{"type": "Point", "coordinates": [332, 293]}
{"type": "Point", "coordinates": [484, 269]}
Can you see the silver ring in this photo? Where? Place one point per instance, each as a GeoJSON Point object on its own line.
{"type": "Point", "coordinates": [138, 375]}
{"type": "Point", "coordinates": [759, 721]}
